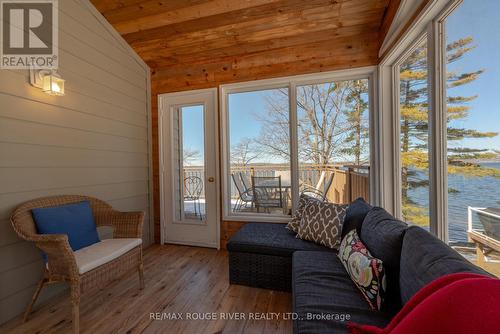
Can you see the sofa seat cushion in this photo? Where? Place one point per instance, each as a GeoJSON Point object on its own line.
{"type": "Point", "coordinates": [269, 239]}
{"type": "Point", "coordinates": [322, 287]}
{"type": "Point", "coordinates": [425, 258]}
{"type": "Point", "coordinates": [95, 255]}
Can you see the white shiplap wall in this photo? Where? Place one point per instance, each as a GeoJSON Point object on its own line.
{"type": "Point", "coordinates": [93, 141]}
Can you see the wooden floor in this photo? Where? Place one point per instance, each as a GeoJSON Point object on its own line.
{"type": "Point", "coordinates": [179, 279]}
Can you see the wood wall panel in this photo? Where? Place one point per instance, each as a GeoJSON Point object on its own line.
{"type": "Point", "coordinates": [228, 229]}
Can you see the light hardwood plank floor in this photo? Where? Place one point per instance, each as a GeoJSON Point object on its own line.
{"type": "Point", "coordinates": [179, 280]}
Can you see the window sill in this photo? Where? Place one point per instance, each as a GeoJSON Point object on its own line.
{"type": "Point", "coordinates": [257, 218]}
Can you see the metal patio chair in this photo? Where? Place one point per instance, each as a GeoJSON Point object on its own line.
{"type": "Point", "coordinates": [268, 192]}
{"type": "Point", "coordinates": [193, 187]}
{"type": "Point", "coordinates": [316, 191]}
{"type": "Point", "coordinates": [245, 193]}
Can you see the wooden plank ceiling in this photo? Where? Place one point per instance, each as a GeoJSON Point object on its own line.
{"type": "Point", "coordinates": [201, 43]}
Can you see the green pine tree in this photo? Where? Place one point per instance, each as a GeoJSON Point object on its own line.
{"type": "Point", "coordinates": [356, 113]}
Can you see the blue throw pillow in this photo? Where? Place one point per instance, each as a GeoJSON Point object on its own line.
{"type": "Point", "coordinates": [75, 220]}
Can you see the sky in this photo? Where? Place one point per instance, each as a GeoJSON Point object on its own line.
{"type": "Point", "coordinates": [246, 111]}
{"type": "Point", "coordinates": [479, 19]}
{"type": "Point", "coordinates": [193, 131]}
{"type": "Point", "coordinates": [475, 18]}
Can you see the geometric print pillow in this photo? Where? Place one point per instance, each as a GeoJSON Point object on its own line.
{"type": "Point", "coordinates": [322, 223]}
{"type": "Point", "coordinates": [366, 272]}
{"type": "Point", "coordinates": [293, 224]}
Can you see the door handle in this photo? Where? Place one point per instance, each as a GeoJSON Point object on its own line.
{"type": "Point", "coordinates": [211, 179]}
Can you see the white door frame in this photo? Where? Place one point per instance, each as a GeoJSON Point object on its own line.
{"type": "Point", "coordinates": [165, 103]}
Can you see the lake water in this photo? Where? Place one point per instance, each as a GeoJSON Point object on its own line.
{"type": "Point", "coordinates": [473, 191]}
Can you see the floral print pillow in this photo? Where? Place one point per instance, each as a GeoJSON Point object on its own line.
{"type": "Point", "coordinates": [366, 271]}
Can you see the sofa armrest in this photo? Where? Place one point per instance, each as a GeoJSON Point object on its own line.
{"type": "Point", "coordinates": [125, 224]}
{"type": "Point", "coordinates": [60, 257]}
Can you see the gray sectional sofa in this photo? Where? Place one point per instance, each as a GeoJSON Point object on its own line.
{"type": "Point", "coordinates": [325, 299]}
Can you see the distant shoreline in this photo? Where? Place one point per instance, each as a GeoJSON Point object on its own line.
{"type": "Point", "coordinates": [484, 161]}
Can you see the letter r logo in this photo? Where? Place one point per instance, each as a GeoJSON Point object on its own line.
{"type": "Point", "coordinates": [27, 27]}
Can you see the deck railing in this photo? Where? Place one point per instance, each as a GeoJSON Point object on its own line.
{"type": "Point", "coordinates": [349, 182]}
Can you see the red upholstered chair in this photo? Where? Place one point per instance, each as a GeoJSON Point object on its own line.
{"type": "Point", "coordinates": [458, 303]}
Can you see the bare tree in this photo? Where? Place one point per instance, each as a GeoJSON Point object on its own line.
{"type": "Point", "coordinates": [273, 141]}
{"type": "Point", "coordinates": [323, 123]}
{"type": "Point", "coordinates": [190, 156]}
{"type": "Point", "coordinates": [244, 152]}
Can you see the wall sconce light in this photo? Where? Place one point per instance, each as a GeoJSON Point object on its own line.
{"type": "Point", "coordinates": [47, 80]}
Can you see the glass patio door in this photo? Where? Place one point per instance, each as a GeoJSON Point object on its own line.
{"type": "Point", "coordinates": [189, 170]}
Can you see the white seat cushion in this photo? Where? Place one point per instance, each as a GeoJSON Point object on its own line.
{"type": "Point", "coordinates": [95, 255]}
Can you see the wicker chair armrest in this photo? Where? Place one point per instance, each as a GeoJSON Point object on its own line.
{"type": "Point", "coordinates": [125, 224]}
{"type": "Point", "coordinates": [60, 257]}
{"type": "Point", "coordinates": [49, 238]}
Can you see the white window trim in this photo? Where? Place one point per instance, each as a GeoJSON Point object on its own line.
{"type": "Point", "coordinates": [397, 118]}
{"type": "Point", "coordinates": [430, 22]}
{"type": "Point", "coordinates": [404, 13]}
{"type": "Point", "coordinates": [291, 83]}
{"type": "Point", "coordinates": [439, 158]}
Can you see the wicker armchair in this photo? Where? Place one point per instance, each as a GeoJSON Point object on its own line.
{"type": "Point", "coordinates": [62, 264]}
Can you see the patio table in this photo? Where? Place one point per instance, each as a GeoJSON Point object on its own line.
{"type": "Point", "coordinates": [285, 190]}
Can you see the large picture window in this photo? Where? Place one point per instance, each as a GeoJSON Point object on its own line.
{"type": "Point", "coordinates": [414, 135]}
{"type": "Point", "coordinates": [440, 101]}
{"type": "Point", "coordinates": [286, 137]}
{"type": "Point", "coordinates": [333, 139]}
{"type": "Point", "coordinates": [259, 152]}
{"type": "Point", "coordinates": [473, 122]}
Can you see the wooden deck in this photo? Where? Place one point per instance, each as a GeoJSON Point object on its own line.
{"type": "Point", "coordinates": [179, 279]}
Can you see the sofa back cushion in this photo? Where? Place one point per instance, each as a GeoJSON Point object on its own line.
{"type": "Point", "coordinates": [354, 216]}
{"type": "Point", "coordinates": [383, 236]}
{"type": "Point", "coordinates": [75, 220]}
{"type": "Point", "coordinates": [425, 258]}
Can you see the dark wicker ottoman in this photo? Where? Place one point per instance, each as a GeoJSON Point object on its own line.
{"type": "Point", "coordinates": [260, 255]}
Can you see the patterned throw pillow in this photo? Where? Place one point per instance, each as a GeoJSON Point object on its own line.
{"type": "Point", "coordinates": [293, 225]}
{"type": "Point", "coordinates": [322, 223]}
{"type": "Point", "coordinates": [366, 271]}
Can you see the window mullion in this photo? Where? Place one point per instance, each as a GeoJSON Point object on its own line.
{"type": "Point", "coordinates": [294, 155]}
{"type": "Point", "coordinates": [396, 134]}
{"type": "Point", "coordinates": [438, 188]}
